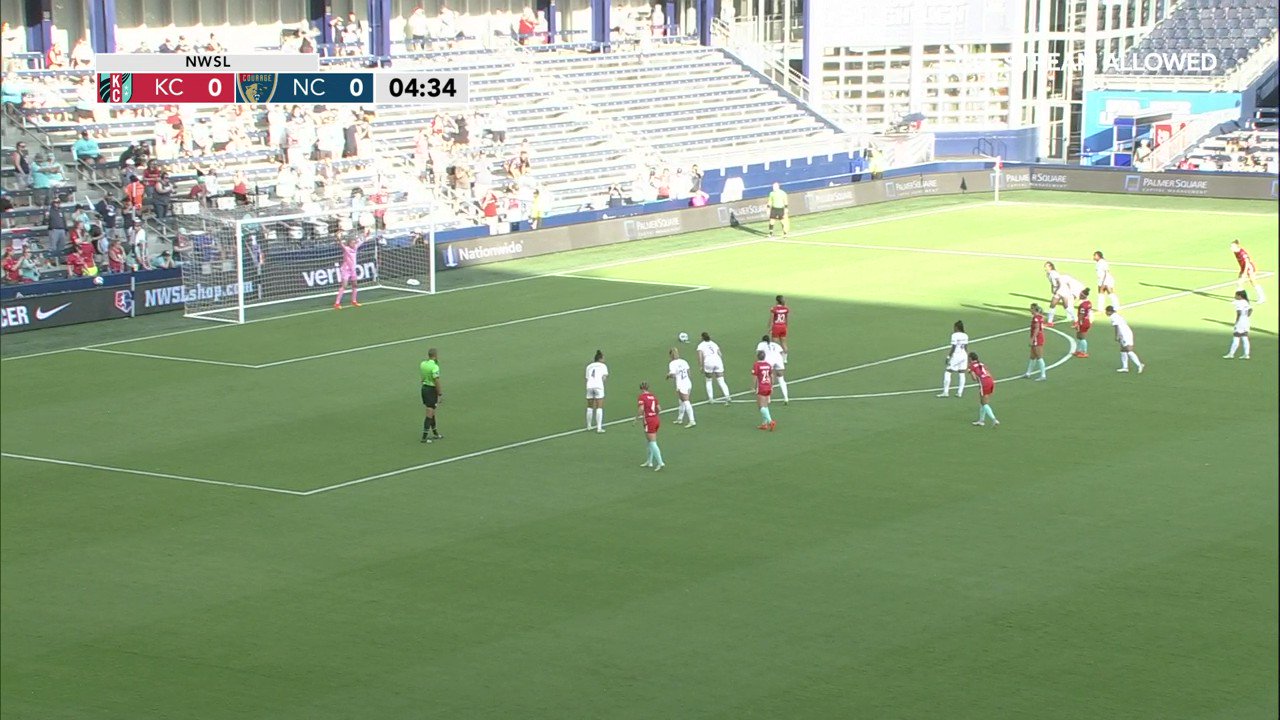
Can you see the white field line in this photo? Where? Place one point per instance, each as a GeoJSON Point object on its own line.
{"type": "Point", "coordinates": [523, 278]}
{"type": "Point", "coordinates": [1001, 256]}
{"type": "Point", "coordinates": [148, 473]}
{"type": "Point", "coordinates": [896, 393]}
{"type": "Point", "coordinates": [566, 433]}
{"type": "Point", "coordinates": [1193, 291]}
{"type": "Point", "coordinates": [818, 376]}
{"type": "Point", "coordinates": [1065, 205]}
{"type": "Point", "coordinates": [625, 281]}
{"type": "Point", "coordinates": [174, 358]}
{"type": "Point", "coordinates": [476, 328]}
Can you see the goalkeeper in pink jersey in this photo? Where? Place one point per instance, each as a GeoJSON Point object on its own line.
{"type": "Point", "coordinates": [347, 271]}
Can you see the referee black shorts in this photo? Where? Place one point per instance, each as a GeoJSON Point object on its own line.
{"type": "Point", "coordinates": [776, 213]}
{"type": "Point", "coordinates": [429, 396]}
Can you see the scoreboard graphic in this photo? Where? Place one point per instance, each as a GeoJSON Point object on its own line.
{"type": "Point", "coordinates": [153, 84]}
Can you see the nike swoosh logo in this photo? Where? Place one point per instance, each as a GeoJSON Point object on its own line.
{"type": "Point", "coordinates": [42, 314]}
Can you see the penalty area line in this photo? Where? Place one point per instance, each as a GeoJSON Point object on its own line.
{"type": "Point", "coordinates": [149, 473]}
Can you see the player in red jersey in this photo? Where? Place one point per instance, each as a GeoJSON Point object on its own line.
{"type": "Point", "coordinates": [778, 317]}
{"type": "Point", "coordinates": [1247, 271]}
{"type": "Point", "coordinates": [647, 409]}
{"type": "Point", "coordinates": [1084, 320]}
{"type": "Point", "coordinates": [1037, 343]}
{"type": "Point", "coordinates": [987, 385]}
{"type": "Point", "coordinates": [762, 371]}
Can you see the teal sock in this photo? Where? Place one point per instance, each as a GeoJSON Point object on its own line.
{"type": "Point", "coordinates": [982, 413]}
{"type": "Point", "coordinates": [1031, 366]}
{"type": "Point", "coordinates": [654, 452]}
{"type": "Point", "coordinates": [986, 409]}
{"type": "Point", "coordinates": [764, 413]}
{"type": "Point", "coordinates": [1040, 366]}
{"type": "Point", "coordinates": [1083, 344]}
{"type": "Point", "coordinates": [649, 458]}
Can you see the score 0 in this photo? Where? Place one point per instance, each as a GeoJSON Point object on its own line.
{"type": "Point", "coordinates": [421, 88]}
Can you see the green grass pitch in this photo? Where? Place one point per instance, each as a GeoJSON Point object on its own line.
{"type": "Point", "coordinates": [215, 522]}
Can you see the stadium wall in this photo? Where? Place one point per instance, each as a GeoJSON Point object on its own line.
{"type": "Point", "coordinates": [79, 300]}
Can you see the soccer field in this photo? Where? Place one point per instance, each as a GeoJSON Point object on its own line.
{"type": "Point", "coordinates": [216, 521]}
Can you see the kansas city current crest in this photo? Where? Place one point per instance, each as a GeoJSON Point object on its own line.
{"type": "Point", "coordinates": [255, 87]}
{"type": "Point", "coordinates": [115, 87]}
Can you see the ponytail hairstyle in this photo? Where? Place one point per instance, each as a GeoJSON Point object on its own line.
{"type": "Point", "coordinates": [959, 326]}
{"type": "Point", "coordinates": [599, 355]}
{"type": "Point", "coordinates": [706, 337]}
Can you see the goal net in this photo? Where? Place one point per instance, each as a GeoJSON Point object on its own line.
{"type": "Point", "coordinates": [234, 261]}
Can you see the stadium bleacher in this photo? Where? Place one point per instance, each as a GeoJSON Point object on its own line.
{"type": "Point", "coordinates": [1231, 30]}
{"type": "Point", "coordinates": [1249, 147]}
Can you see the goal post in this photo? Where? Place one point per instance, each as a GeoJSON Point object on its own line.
{"type": "Point", "coordinates": [997, 174]}
{"type": "Point", "coordinates": [236, 261]}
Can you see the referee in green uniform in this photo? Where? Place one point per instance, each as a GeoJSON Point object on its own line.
{"type": "Point", "coordinates": [430, 370]}
{"type": "Point", "coordinates": [778, 210]}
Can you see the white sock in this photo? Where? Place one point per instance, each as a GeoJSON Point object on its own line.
{"type": "Point", "coordinates": [1245, 342]}
{"type": "Point", "coordinates": [724, 387]}
{"type": "Point", "coordinates": [1052, 311]}
{"type": "Point", "coordinates": [1134, 357]}
{"type": "Point", "coordinates": [711, 396]}
{"type": "Point", "coordinates": [1070, 311]}
{"type": "Point", "coordinates": [1235, 345]}
{"type": "Point", "coordinates": [946, 382]}
{"type": "Point", "coordinates": [1262, 297]}
{"type": "Point", "coordinates": [679, 412]}
{"type": "Point", "coordinates": [782, 383]}
{"type": "Point", "coordinates": [1124, 360]}
{"type": "Point", "coordinates": [591, 412]}
{"type": "Point", "coordinates": [1115, 301]}
{"type": "Point", "coordinates": [688, 411]}
{"type": "Point", "coordinates": [599, 418]}
{"type": "Point", "coordinates": [962, 379]}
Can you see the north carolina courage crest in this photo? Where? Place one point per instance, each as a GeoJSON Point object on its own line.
{"type": "Point", "coordinates": [255, 87]}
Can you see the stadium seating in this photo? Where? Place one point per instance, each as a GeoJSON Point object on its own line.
{"type": "Point", "coordinates": [1251, 147]}
{"type": "Point", "coordinates": [1229, 29]}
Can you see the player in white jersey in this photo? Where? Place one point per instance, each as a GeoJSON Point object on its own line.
{"type": "Point", "coordinates": [1064, 291]}
{"type": "Point", "coordinates": [597, 373]}
{"type": "Point", "coordinates": [1106, 281]}
{"type": "Point", "coordinates": [678, 370]}
{"type": "Point", "coordinates": [1124, 336]}
{"type": "Point", "coordinates": [775, 356]}
{"type": "Point", "coordinates": [957, 362]}
{"type": "Point", "coordinates": [1240, 331]}
{"type": "Point", "coordinates": [712, 362]}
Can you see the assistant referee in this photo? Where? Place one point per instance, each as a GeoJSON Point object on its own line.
{"type": "Point", "coordinates": [431, 395]}
{"type": "Point", "coordinates": [778, 203]}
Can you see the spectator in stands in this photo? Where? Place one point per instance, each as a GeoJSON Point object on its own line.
{"type": "Point", "coordinates": [614, 197]}
{"type": "Point", "coordinates": [115, 257]}
{"type": "Point", "coordinates": [56, 221]}
{"type": "Point", "coordinates": [699, 199]}
{"type": "Point", "coordinates": [212, 185]}
{"type": "Point", "coordinates": [87, 154]}
{"type": "Point", "coordinates": [416, 30]}
{"type": "Point", "coordinates": [240, 188]}
{"type": "Point", "coordinates": [526, 25]}
{"type": "Point", "coordinates": [109, 211]}
{"type": "Point", "coordinates": [498, 127]}
{"type": "Point", "coordinates": [286, 183]}
{"type": "Point", "coordinates": [541, 29]}
{"type": "Point", "coordinates": [130, 218]}
{"type": "Point", "coordinates": [129, 155]}
{"type": "Point", "coordinates": [1142, 154]}
{"type": "Point", "coordinates": [162, 196]}
{"type": "Point", "coordinates": [46, 175]}
{"type": "Point", "coordinates": [21, 164]}
{"type": "Point", "coordinates": [12, 89]}
{"type": "Point", "coordinates": [9, 266]}
{"type": "Point", "coordinates": [167, 47]}
{"type": "Point", "coordinates": [6, 207]}
{"type": "Point", "coordinates": [135, 191]}
{"type": "Point", "coordinates": [55, 59]}
{"type": "Point", "coordinates": [140, 257]}
{"type": "Point", "coordinates": [657, 21]}
{"type": "Point", "coordinates": [28, 267]}
{"type": "Point", "coordinates": [165, 261]}
{"type": "Point", "coordinates": [150, 176]}
{"type": "Point", "coordinates": [695, 180]}
{"type": "Point", "coordinates": [449, 25]}
{"type": "Point", "coordinates": [489, 209]}
{"type": "Point", "coordinates": [82, 54]}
